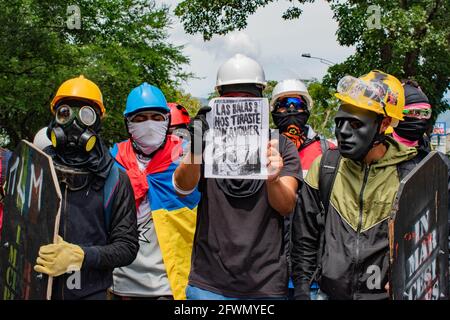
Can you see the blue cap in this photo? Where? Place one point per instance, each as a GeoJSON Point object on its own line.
{"type": "Point", "coordinates": [145, 97]}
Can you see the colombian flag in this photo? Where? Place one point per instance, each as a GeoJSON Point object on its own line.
{"type": "Point", "coordinates": [174, 217]}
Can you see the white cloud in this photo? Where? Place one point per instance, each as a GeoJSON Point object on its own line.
{"type": "Point", "coordinates": [277, 44]}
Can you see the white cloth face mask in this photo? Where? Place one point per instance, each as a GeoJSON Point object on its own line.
{"type": "Point", "coordinates": [148, 135]}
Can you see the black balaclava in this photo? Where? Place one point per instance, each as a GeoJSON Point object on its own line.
{"type": "Point", "coordinates": [411, 128]}
{"type": "Point", "coordinates": [292, 124]}
{"type": "Point", "coordinates": [250, 88]}
{"type": "Point", "coordinates": [69, 150]}
{"type": "Point", "coordinates": [357, 131]}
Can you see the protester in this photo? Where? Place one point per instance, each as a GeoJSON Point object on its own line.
{"type": "Point", "coordinates": [291, 105]}
{"type": "Point", "coordinates": [341, 233]}
{"type": "Point", "coordinates": [4, 158]}
{"type": "Point", "coordinates": [166, 222]}
{"type": "Point", "coordinates": [412, 131]}
{"type": "Point", "coordinates": [41, 141]}
{"type": "Point", "coordinates": [179, 117]}
{"type": "Point", "coordinates": [239, 249]}
{"type": "Point", "coordinates": [97, 230]}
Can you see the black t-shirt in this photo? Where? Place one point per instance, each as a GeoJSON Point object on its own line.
{"type": "Point", "coordinates": [239, 249]}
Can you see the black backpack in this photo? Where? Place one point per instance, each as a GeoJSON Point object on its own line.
{"type": "Point", "coordinates": [327, 174]}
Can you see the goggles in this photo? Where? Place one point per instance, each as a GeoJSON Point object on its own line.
{"type": "Point", "coordinates": [65, 114]}
{"type": "Point", "coordinates": [358, 89]}
{"type": "Point", "coordinates": [417, 113]}
{"type": "Point", "coordinates": [290, 103]}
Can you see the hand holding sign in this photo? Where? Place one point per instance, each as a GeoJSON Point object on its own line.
{"type": "Point", "coordinates": [198, 128]}
{"type": "Point", "coordinates": [274, 161]}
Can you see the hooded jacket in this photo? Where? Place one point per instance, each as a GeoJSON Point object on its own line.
{"type": "Point", "coordinates": [355, 256]}
{"type": "Point", "coordinates": [83, 222]}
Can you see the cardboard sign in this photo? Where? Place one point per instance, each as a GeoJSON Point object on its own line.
{"type": "Point", "coordinates": [236, 144]}
{"type": "Point", "coordinates": [419, 233]}
{"type": "Point", "coordinates": [31, 219]}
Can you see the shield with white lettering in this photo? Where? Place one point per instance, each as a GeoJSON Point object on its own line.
{"type": "Point", "coordinates": [418, 233]}
{"type": "Point", "coordinates": [31, 219]}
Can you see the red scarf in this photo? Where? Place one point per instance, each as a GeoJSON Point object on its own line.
{"type": "Point", "coordinates": [160, 161]}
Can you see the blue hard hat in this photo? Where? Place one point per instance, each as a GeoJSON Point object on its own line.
{"type": "Point", "coordinates": [145, 97]}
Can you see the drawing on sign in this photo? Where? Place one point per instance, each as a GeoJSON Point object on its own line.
{"type": "Point", "coordinates": [31, 216]}
{"type": "Point", "coordinates": [418, 233]}
{"type": "Point", "coordinates": [422, 279]}
{"type": "Point", "coordinates": [238, 138]}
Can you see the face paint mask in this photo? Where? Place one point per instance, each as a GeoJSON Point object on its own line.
{"type": "Point", "coordinates": [292, 125]}
{"type": "Point", "coordinates": [148, 135]}
{"type": "Point", "coordinates": [356, 131]}
{"type": "Point", "coordinates": [412, 129]}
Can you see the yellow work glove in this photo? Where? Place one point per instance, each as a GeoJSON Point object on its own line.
{"type": "Point", "coordinates": [59, 258]}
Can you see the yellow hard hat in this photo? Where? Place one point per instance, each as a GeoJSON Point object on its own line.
{"type": "Point", "coordinates": [376, 91]}
{"type": "Point", "coordinates": [79, 88]}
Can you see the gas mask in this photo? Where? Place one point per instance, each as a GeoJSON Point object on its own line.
{"type": "Point", "coordinates": [357, 130]}
{"type": "Point", "coordinates": [75, 125]}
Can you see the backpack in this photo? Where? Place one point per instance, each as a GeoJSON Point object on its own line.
{"type": "Point", "coordinates": [327, 174]}
{"type": "Point", "coordinates": [109, 192]}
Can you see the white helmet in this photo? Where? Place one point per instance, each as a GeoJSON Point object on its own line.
{"type": "Point", "coordinates": [240, 69]}
{"type": "Point", "coordinates": [41, 141]}
{"type": "Point", "coordinates": [288, 88]}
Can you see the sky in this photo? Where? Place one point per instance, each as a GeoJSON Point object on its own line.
{"type": "Point", "coordinates": [275, 43]}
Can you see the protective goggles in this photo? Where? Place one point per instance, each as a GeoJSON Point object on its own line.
{"type": "Point", "coordinates": [357, 89]}
{"type": "Point", "coordinates": [295, 103]}
{"type": "Point", "coordinates": [418, 112]}
{"type": "Point", "coordinates": [65, 114]}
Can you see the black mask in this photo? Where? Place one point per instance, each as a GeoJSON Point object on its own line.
{"type": "Point", "coordinates": [74, 141]}
{"type": "Point", "coordinates": [357, 130]}
{"type": "Point", "coordinates": [412, 129]}
{"type": "Point", "coordinates": [292, 125]}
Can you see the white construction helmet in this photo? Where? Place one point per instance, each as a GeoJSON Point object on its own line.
{"type": "Point", "coordinates": [240, 69]}
{"type": "Point", "coordinates": [291, 87]}
{"type": "Point", "coordinates": [41, 141]}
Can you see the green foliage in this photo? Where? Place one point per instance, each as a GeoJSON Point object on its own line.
{"type": "Point", "coordinates": [210, 17]}
{"type": "Point", "coordinates": [413, 40]}
{"type": "Point", "coordinates": [120, 44]}
{"type": "Point", "coordinates": [324, 109]}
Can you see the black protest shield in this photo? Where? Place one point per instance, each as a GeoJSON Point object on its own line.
{"type": "Point", "coordinates": [418, 233]}
{"type": "Point", "coordinates": [30, 220]}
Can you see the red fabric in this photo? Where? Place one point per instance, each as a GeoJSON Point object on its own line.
{"type": "Point", "coordinates": [159, 163]}
{"type": "Point", "coordinates": [310, 153]}
{"type": "Point", "coordinates": [178, 116]}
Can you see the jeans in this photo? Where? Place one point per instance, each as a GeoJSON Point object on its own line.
{"type": "Point", "coordinates": [195, 293]}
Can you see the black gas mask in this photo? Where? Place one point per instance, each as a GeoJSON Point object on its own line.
{"type": "Point", "coordinates": [75, 126]}
{"type": "Point", "coordinates": [357, 130]}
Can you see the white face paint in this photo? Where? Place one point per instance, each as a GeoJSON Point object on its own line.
{"type": "Point", "coordinates": [148, 135]}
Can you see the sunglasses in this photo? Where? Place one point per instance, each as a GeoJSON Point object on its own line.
{"type": "Point", "coordinates": [289, 103]}
{"type": "Point", "coordinates": [417, 113]}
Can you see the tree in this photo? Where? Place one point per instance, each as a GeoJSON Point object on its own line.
{"type": "Point", "coordinates": [411, 40]}
{"type": "Point", "coordinates": [324, 109]}
{"type": "Point", "coordinates": [117, 44]}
